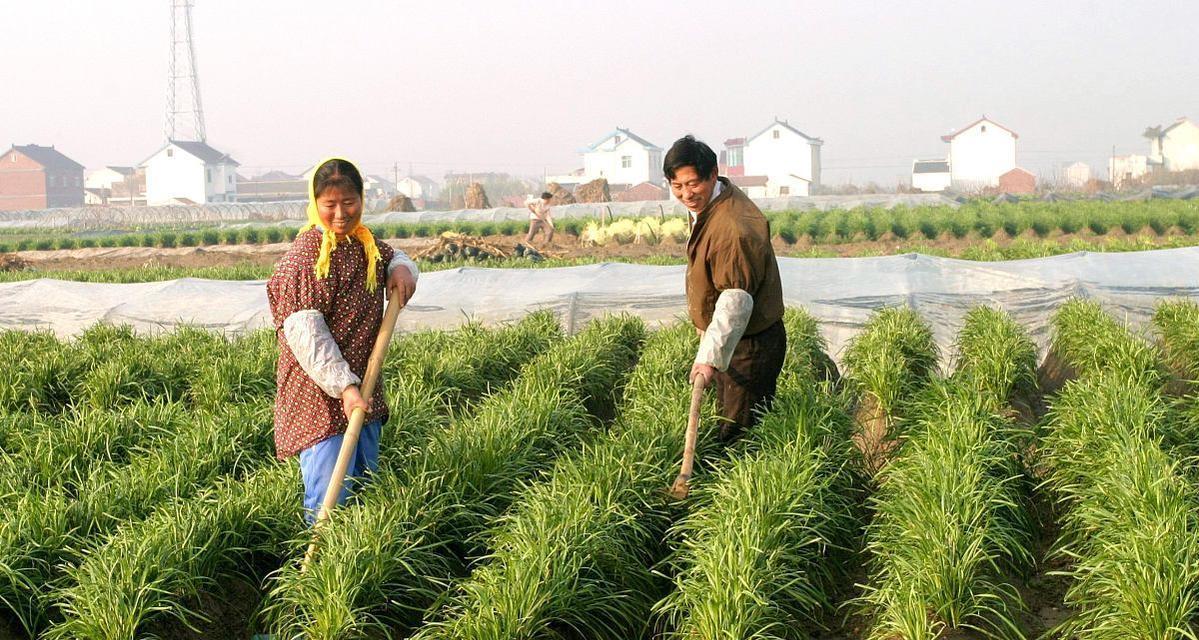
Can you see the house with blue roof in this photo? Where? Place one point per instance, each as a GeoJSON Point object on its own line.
{"type": "Point", "coordinates": [623, 158]}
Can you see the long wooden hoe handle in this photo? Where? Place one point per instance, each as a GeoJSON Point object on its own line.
{"type": "Point", "coordinates": [680, 488]}
{"type": "Point", "coordinates": [349, 442]}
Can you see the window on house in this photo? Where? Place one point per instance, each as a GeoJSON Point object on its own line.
{"type": "Point", "coordinates": [626, 162]}
{"type": "Point", "coordinates": [170, 153]}
{"type": "Point", "coordinates": [984, 128]}
{"type": "Point", "coordinates": [208, 172]}
{"type": "Point", "coordinates": [229, 179]}
{"type": "Point", "coordinates": [776, 134]}
{"type": "Point", "coordinates": [50, 180]}
{"type": "Point", "coordinates": [76, 181]}
{"type": "Point", "coordinates": [784, 191]}
{"type": "Point", "coordinates": [12, 158]}
{"type": "Point", "coordinates": [616, 140]}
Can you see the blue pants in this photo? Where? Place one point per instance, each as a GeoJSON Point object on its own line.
{"type": "Point", "coordinates": [317, 462]}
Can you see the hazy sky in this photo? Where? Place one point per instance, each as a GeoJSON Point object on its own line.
{"type": "Point", "coordinates": [521, 86]}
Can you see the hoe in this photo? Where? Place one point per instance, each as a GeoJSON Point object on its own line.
{"type": "Point", "coordinates": [680, 488]}
{"type": "Point", "coordinates": [373, 366]}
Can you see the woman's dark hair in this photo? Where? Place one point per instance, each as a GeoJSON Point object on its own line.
{"type": "Point", "coordinates": [337, 173]}
{"type": "Point", "coordinates": [546, 195]}
{"type": "Point", "coordinates": [689, 152]}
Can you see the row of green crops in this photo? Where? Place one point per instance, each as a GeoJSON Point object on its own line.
{"type": "Point", "coordinates": [578, 550]}
{"type": "Point", "coordinates": [950, 517]}
{"type": "Point", "coordinates": [264, 235]}
{"type": "Point", "coordinates": [984, 220]}
{"type": "Point", "coordinates": [764, 548]}
{"type": "Point", "coordinates": [49, 530]}
{"type": "Point", "coordinates": [1113, 447]}
{"type": "Point", "coordinates": [974, 219]}
{"type": "Point", "coordinates": [416, 524]}
{"type": "Point", "coordinates": [107, 366]}
{"type": "Point", "coordinates": [1177, 325]}
{"type": "Point", "coordinates": [572, 551]}
{"type": "Point", "coordinates": [887, 363]}
{"type": "Point", "coordinates": [215, 533]}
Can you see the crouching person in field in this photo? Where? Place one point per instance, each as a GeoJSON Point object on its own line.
{"type": "Point", "coordinates": [734, 293]}
{"type": "Point", "coordinates": [327, 304]}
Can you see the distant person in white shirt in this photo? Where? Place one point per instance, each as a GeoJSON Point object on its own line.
{"type": "Point", "coordinates": [540, 218]}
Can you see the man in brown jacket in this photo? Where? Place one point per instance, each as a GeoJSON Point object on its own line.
{"type": "Point", "coordinates": [734, 293]}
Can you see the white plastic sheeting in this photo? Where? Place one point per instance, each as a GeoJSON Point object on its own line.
{"type": "Point", "coordinates": [840, 292]}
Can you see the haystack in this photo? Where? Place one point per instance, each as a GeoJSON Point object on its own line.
{"type": "Point", "coordinates": [561, 195]}
{"type": "Point", "coordinates": [10, 262]}
{"type": "Point", "coordinates": [400, 202]}
{"type": "Point", "coordinates": [594, 191]}
{"type": "Point", "coordinates": [476, 197]}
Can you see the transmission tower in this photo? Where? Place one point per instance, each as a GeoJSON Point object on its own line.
{"type": "Point", "coordinates": [185, 115]}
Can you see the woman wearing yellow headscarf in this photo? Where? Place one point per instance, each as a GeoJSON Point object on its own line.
{"type": "Point", "coordinates": [327, 308]}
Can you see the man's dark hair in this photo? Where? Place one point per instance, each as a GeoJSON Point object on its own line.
{"type": "Point", "coordinates": [546, 195]}
{"type": "Point", "coordinates": [689, 152]}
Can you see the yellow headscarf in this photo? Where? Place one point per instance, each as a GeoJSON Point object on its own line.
{"type": "Point", "coordinates": [329, 239]}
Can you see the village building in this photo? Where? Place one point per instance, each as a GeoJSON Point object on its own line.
{"type": "Point", "coordinates": [1174, 147]}
{"type": "Point", "coordinates": [1018, 181]}
{"type": "Point", "coordinates": [622, 158]}
{"type": "Point", "coordinates": [272, 186]}
{"type": "Point", "coordinates": [753, 186]}
{"type": "Point", "coordinates": [786, 156]}
{"type": "Point", "coordinates": [419, 188]}
{"type": "Point", "coordinates": [115, 185]}
{"type": "Point", "coordinates": [189, 172]}
{"type": "Point", "coordinates": [931, 175]}
{"type": "Point", "coordinates": [1122, 170]}
{"type": "Point", "coordinates": [979, 153]}
{"type": "Point", "coordinates": [1075, 175]}
{"type": "Point", "coordinates": [36, 177]}
{"type": "Point", "coordinates": [646, 191]}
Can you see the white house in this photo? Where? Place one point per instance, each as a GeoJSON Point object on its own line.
{"type": "Point", "coordinates": [1076, 175]}
{"type": "Point", "coordinates": [1176, 147]}
{"type": "Point", "coordinates": [418, 188]}
{"type": "Point", "coordinates": [1123, 169]}
{"type": "Point", "coordinates": [374, 186]}
{"type": "Point", "coordinates": [623, 158]}
{"type": "Point", "coordinates": [789, 158]}
{"type": "Point", "coordinates": [753, 186]}
{"type": "Point", "coordinates": [930, 175]}
{"type": "Point", "coordinates": [979, 153]}
{"type": "Point", "coordinates": [105, 177]}
{"type": "Point", "coordinates": [190, 172]}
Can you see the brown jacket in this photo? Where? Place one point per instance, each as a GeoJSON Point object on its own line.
{"type": "Point", "coordinates": [730, 249]}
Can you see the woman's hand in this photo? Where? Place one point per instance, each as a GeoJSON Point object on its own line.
{"type": "Point", "coordinates": [401, 284]}
{"type": "Point", "coordinates": [351, 399]}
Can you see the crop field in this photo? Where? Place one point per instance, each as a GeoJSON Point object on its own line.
{"type": "Point", "coordinates": [521, 489]}
{"type": "Point", "coordinates": [1083, 223]}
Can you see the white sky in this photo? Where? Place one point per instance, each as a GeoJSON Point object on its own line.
{"type": "Point", "coordinates": [520, 86]}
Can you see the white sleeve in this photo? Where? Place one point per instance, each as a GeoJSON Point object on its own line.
{"type": "Point", "coordinates": [310, 341]}
{"type": "Point", "coordinates": [729, 320]}
{"type": "Point", "coordinates": [402, 259]}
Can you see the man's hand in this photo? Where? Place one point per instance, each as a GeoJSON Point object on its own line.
{"type": "Point", "coordinates": [401, 284]}
{"type": "Point", "coordinates": [705, 371]}
{"type": "Point", "coordinates": [351, 399]}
